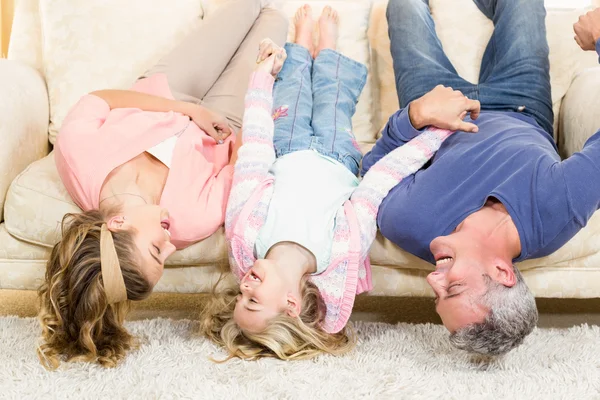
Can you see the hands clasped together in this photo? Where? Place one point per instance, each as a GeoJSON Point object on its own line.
{"type": "Point", "coordinates": [270, 57]}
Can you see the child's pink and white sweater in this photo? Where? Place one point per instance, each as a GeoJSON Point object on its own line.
{"type": "Point", "coordinates": [349, 272]}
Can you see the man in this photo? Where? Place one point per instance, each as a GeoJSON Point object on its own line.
{"type": "Point", "coordinates": [491, 198]}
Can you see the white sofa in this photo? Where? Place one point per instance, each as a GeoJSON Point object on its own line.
{"type": "Point", "coordinates": [61, 49]}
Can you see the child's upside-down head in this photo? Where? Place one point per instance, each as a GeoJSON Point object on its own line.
{"type": "Point", "coordinates": [283, 335]}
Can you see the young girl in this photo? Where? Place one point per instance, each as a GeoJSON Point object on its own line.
{"type": "Point", "coordinates": [299, 225]}
{"type": "Point", "coordinates": [151, 169]}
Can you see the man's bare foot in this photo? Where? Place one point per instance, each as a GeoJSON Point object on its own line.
{"type": "Point", "coordinates": [328, 30]}
{"type": "Point", "coordinates": [304, 27]}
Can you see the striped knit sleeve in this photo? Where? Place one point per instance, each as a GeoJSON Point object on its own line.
{"type": "Point", "coordinates": [386, 174]}
{"type": "Point", "coordinates": [256, 155]}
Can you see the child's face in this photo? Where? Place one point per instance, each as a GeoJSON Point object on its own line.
{"type": "Point", "coordinates": [266, 293]}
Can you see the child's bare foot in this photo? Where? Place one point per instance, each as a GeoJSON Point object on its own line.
{"type": "Point", "coordinates": [304, 27]}
{"type": "Point", "coordinates": [328, 30]}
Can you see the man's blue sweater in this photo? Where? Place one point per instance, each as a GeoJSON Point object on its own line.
{"type": "Point", "coordinates": [512, 160]}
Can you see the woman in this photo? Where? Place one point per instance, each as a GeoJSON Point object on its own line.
{"type": "Point", "coordinates": [151, 168]}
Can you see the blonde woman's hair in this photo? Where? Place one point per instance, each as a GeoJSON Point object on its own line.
{"type": "Point", "coordinates": [285, 337]}
{"type": "Point", "coordinates": [77, 322]}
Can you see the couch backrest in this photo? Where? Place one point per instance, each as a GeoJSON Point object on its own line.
{"type": "Point", "coordinates": [82, 45]}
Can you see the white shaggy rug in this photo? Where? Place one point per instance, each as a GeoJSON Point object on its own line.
{"type": "Point", "coordinates": [391, 361]}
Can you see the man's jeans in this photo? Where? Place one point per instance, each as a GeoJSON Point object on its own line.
{"type": "Point", "coordinates": [314, 102]}
{"type": "Point", "coordinates": [514, 71]}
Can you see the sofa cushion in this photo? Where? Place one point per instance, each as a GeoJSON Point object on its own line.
{"type": "Point", "coordinates": [22, 264]}
{"type": "Point", "coordinates": [37, 201]}
{"type": "Point", "coordinates": [464, 32]}
{"type": "Point", "coordinates": [15, 249]}
{"type": "Point", "coordinates": [97, 44]}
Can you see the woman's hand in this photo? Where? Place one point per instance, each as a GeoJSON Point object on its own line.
{"type": "Point", "coordinates": [444, 108]}
{"type": "Point", "coordinates": [213, 124]}
{"type": "Point", "coordinates": [270, 57]}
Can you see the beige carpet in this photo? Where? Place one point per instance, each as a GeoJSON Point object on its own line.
{"type": "Point", "coordinates": [392, 361]}
{"type": "Point", "coordinates": [409, 361]}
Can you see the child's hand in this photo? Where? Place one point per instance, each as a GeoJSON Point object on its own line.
{"type": "Point", "coordinates": [270, 57]}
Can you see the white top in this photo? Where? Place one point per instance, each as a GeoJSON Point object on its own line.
{"type": "Point", "coordinates": [308, 191]}
{"type": "Point", "coordinates": [164, 150]}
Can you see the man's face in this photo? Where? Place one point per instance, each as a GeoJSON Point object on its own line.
{"type": "Point", "coordinates": [458, 280]}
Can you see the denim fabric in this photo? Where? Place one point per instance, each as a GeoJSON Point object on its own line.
{"type": "Point", "coordinates": [515, 70]}
{"type": "Point", "coordinates": [314, 101]}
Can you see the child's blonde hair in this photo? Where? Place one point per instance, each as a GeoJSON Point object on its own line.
{"type": "Point", "coordinates": [285, 337]}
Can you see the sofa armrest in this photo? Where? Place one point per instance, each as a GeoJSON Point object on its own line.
{"type": "Point", "coordinates": [24, 114]}
{"type": "Point", "coordinates": [580, 112]}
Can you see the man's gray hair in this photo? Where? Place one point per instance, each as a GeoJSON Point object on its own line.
{"type": "Point", "coordinates": [513, 315]}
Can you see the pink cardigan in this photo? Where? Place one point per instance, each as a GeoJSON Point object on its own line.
{"type": "Point", "coordinates": [349, 272]}
{"type": "Point", "coordinates": [94, 140]}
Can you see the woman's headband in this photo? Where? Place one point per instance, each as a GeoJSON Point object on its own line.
{"type": "Point", "coordinates": [114, 285]}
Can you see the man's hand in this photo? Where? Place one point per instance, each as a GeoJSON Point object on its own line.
{"type": "Point", "coordinates": [444, 108]}
{"type": "Point", "coordinates": [270, 57]}
{"type": "Point", "coordinates": [213, 124]}
{"type": "Point", "coordinates": [587, 30]}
